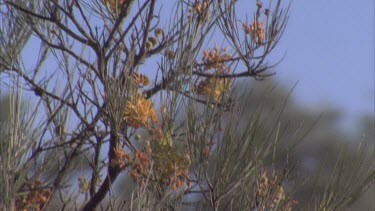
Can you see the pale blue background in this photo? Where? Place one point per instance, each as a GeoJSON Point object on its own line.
{"type": "Point", "coordinates": [329, 47]}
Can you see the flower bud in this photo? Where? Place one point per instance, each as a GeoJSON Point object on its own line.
{"type": "Point", "coordinates": [266, 12]}
{"type": "Point", "coordinates": [171, 54]}
{"type": "Point", "coordinates": [153, 40]}
{"type": "Point", "coordinates": [159, 32]}
{"type": "Point", "coordinates": [149, 45]}
{"type": "Point", "coordinates": [138, 137]}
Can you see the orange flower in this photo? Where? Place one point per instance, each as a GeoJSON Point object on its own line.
{"type": "Point", "coordinates": [141, 79]}
{"type": "Point", "coordinates": [170, 165]}
{"type": "Point", "coordinates": [121, 159]}
{"type": "Point", "coordinates": [35, 199]}
{"type": "Point", "coordinates": [115, 4]}
{"type": "Point", "coordinates": [215, 58]}
{"type": "Point", "coordinates": [140, 165]}
{"type": "Point", "coordinates": [255, 30]}
{"type": "Point", "coordinates": [214, 87]}
{"type": "Point", "coordinates": [271, 193]}
{"type": "Point", "coordinates": [139, 111]}
{"type": "Point", "coordinates": [200, 7]}
{"type": "Point", "coordinates": [142, 158]}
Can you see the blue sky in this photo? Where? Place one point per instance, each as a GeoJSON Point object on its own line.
{"type": "Point", "coordinates": [329, 46]}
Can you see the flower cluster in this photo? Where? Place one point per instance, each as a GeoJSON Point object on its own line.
{"type": "Point", "coordinates": [214, 87]}
{"type": "Point", "coordinates": [139, 111]}
{"type": "Point", "coordinates": [141, 79]}
{"type": "Point", "coordinates": [200, 7]}
{"type": "Point", "coordinates": [139, 163]}
{"type": "Point", "coordinates": [216, 58]}
{"type": "Point", "coordinates": [255, 29]}
{"type": "Point", "coordinates": [170, 165]}
{"type": "Point", "coordinates": [122, 159]}
{"type": "Point", "coordinates": [140, 166]}
{"type": "Point", "coordinates": [84, 184]}
{"type": "Point", "coordinates": [151, 42]}
{"type": "Point", "coordinates": [270, 194]}
{"type": "Point", "coordinates": [115, 4]}
{"type": "Point", "coordinates": [35, 198]}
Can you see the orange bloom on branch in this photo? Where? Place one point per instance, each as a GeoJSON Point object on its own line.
{"type": "Point", "coordinates": [214, 87]}
{"type": "Point", "coordinates": [140, 112]}
{"type": "Point", "coordinates": [216, 58]}
{"type": "Point", "coordinates": [200, 7]}
{"type": "Point", "coordinates": [121, 159]}
{"type": "Point", "coordinates": [141, 79]}
{"type": "Point", "coordinates": [36, 197]}
{"type": "Point", "coordinates": [255, 30]}
{"type": "Point", "coordinates": [115, 4]}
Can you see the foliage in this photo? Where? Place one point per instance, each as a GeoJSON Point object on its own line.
{"type": "Point", "coordinates": [102, 68]}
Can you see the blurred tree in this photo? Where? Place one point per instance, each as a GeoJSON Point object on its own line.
{"type": "Point", "coordinates": [330, 167]}
{"type": "Point", "coordinates": [327, 145]}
